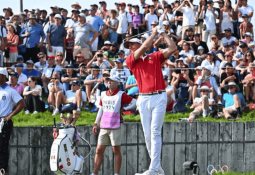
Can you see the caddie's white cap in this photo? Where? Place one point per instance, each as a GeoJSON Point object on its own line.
{"type": "Point", "coordinates": [113, 78]}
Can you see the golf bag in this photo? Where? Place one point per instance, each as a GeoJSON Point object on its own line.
{"type": "Point", "coordinates": [64, 158]}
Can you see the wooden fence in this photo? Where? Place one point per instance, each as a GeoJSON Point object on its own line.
{"type": "Point", "coordinates": [229, 143]}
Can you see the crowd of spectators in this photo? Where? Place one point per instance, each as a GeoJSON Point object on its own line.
{"type": "Point", "coordinates": [60, 59]}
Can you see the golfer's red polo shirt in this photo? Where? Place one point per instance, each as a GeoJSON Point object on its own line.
{"type": "Point", "coordinates": [147, 72]}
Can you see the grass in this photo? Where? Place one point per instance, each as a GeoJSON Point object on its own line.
{"type": "Point", "coordinates": [232, 173]}
{"type": "Point", "coordinates": [87, 118]}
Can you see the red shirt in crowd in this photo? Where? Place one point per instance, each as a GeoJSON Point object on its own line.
{"type": "Point", "coordinates": [148, 72]}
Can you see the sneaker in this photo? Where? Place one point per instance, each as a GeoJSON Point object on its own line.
{"type": "Point", "coordinates": [94, 109]}
{"type": "Point", "coordinates": [35, 112]}
{"type": "Point", "coordinates": [27, 112]}
{"type": "Point", "coordinates": [183, 119]}
{"type": "Point", "coordinates": [55, 112]}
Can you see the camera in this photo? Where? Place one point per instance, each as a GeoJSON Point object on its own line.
{"type": "Point", "coordinates": [191, 166]}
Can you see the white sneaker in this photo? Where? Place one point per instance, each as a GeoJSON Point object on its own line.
{"type": "Point", "coordinates": [35, 112]}
{"type": "Point", "coordinates": [27, 112]}
{"type": "Point", "coordinates": [55, 112]}
{"type": "Point", "coordinates": [205, 113]}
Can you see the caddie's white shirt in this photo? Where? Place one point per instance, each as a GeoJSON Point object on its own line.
{"type": "Point", "coordinates": [9, 97]}
{"type": "Point", "coordinates": [124, 18]}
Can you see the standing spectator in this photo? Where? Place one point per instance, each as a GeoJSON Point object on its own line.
{"type": "Point", "coordinates": [3, 39]}
{"type": "Point", "coordinates": [56, 34]}
{"type": "Point", "coordinates": [188, 21]}
{"type": "Point", "coordinates": [82, 40]}
{"type": "Point", "coordinates": [109, 121]}
{"type": "Point", "coordinates": [34, 38]}
{"type": "Point", "coordinates": [33, 97]}
{"type": "Point", "coordinates": [69, 45]}
{"type": "Point", "coordinates": [138, 22]}
{"type": "Point", "coordinates": [98, 25]}
{"type": "Point", "coordinates": [209, 27]}
{"type": "Point", "coordinates": [112, 23]}
{"type": "Point", "coordinates": [11, 104]}
{"type": "Point", "coordinates": [245, 9]}
{"type": "Point", "coordinates": [150, 18]}
{"type": "Point", "coordinates": [148, 74]}
{"type": "Point", "coordinates": [125, 23]}
{"type": "Point", "coordinates": [103, 12]}
{"type": "Point", "coordinates": [11, 51]}
{"type": "Point", "coordinates": [226, 15]}
{"type": "Point", "coordinates": [70, 23]}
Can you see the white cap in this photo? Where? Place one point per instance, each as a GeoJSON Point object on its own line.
{"type": "Point", "coordinates": [200, 48]}
{"type": "Point", "coordinates": [204, 88]}
{"type": "Point", "coordinates": [82, 15]}
{"type": "Point", "coordinates": [3, 71]}
{"type": "Point", "coordinates": [208, 67]}
{"type": "Point", "coordinates": [107, 43]}
{"type": "Point", "coordinates": [58, 16]}
{"type": "Point", "coordinates": [165, 23]}
{"type": "Point", "coordinates": [133, 40]}
{"type": "Point", "coordinates": [113, 78]}
{"type": "Point", "coordinates": [247, 34]}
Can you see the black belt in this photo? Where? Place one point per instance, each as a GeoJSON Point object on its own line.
{"type": "Point", "coordinates": [152, 93]}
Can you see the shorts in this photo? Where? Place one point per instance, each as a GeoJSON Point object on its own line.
{"type": "Point", "coordinates": [231, 109]}
{"type": "Point", "coordinates": [110, 137]}
{"type": "Point", "coordinates": [13, 57]}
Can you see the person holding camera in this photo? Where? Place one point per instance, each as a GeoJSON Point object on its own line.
{"type": "Point", "coordinates": [99, 60]}
{"type": "Point", "coordinates": [209, 15]}
{"type": "Point", "coordinates": [187, 9]}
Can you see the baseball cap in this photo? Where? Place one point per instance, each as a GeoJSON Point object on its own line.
{"type": "Point", "coordinates": [119, 60]}
{"type": "Point", "coordinates": [200, 48]}
{"type": "Point", "coordinates": [93, 66]}
{"type": "Point", "coordinates": [133, 40]}
{"type": "Point", "coordinates": [14, 74]}
{"type": "Point", "coordinates": [208, 67]}
{"type": "Point", "coordinates": [20, 58]}
{"type": "Point", "coordinates": [3, 71]}
{"type": "Point", "coordinates": [242, 44]}
{"type": "Point", "coordinates": [106, 73]}
{"type": "Point", "coordinates": [248, 34]}
{"type": "Point", "coordinates": [51, 57]}
{"type": "Point", "coordinates": [211, 53]}
{"type": "Point", "coordinates": [19, 65]}
{"type": "Point", "coordinates": [205, 88]}
{"type": "Point", "coordinates": [29, 62]}
{"type": "Point", "coordinates": [228, 30]}
{"type": "Point", "coordinates": [82, 15]}
{"type": "Point", "coordinates": [58, 16]}
{"type": "Point", "coordinates": [107, 43]}
{"type": "Point", "coordinates": [113, 78]}
{"type": "Point", "coordinates": [76, 82]}
{"type": "Point", "coordinates": [69, 66]}
{"type": "Point", "coordinates": [121, 52]}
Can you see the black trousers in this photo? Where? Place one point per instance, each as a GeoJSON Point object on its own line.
{"type": "Point", "coordinates": [31, 54]}
{"type": "Point", "coordinates": [4, 144]}
{"type": "Point", "coordinates": [34, 103]}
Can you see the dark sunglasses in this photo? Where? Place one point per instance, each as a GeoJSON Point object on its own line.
{"type": "Point", "coordinates": [99, 55]}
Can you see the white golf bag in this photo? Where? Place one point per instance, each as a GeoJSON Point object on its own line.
{"type": "Point", "coordinates": [63, 157]}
